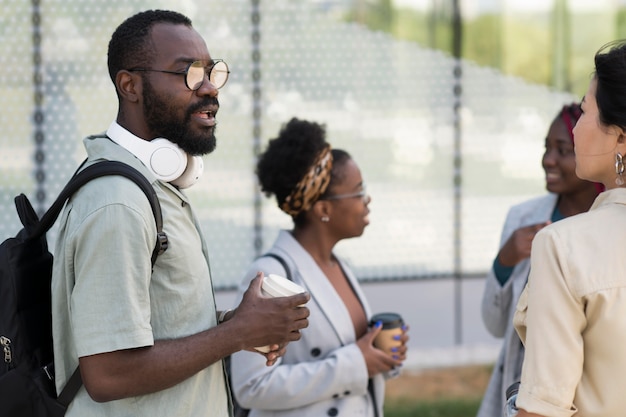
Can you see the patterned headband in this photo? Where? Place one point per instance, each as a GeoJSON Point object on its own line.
{"type": "Point", "coordinates": [311, 187]}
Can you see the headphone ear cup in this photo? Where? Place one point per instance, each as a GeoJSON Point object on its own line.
{"type": "Point", "coordinates": [166, 160]}
{"type": "Point", "coordinates": [193, 172]}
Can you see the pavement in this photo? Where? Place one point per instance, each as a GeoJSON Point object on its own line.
{"type": "Point", "coordinates": [444, 317]}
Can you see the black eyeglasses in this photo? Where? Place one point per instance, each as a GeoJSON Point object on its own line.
{"type": "Point", "coordinates": [196, 71]}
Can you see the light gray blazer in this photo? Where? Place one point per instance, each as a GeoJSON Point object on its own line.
{"type": "Point", "coordinates": [499, 302]}
{"type": "Point", "coordinates": [322, 374]}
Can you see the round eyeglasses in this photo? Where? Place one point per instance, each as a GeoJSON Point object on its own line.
{"type": "Point", "coordinates": [196, 71]}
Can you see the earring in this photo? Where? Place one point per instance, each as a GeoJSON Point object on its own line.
{"type": "Point", "coordinates": [326, 219]}
{"type": "Point", "coordinates": [619, 169]}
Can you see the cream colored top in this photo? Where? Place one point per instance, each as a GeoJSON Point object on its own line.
{"type": "Point", "coordinates": [572, 315]}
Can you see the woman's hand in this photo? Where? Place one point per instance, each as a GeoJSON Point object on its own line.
{"type": "Point", "coordinates": [517, 247]}
{"type": "Point", "coordinates": [378, 361]}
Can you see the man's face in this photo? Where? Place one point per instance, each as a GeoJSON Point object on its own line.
{"type": "Point", "coordinates": [171, 110]}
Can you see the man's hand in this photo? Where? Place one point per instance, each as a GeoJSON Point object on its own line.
{"type": "Point", "coordinates": [270, 321]}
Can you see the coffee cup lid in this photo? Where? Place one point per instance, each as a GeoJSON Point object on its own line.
{"type": "Point", "coordinates": [278, 286]}
{"type": "Point", "coordinates": [389, 320]}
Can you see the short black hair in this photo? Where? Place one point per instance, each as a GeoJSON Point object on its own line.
{"type": "Point", "coordinates": [610, 73]}
{"type": "Point", "coordinates": [130, 43]}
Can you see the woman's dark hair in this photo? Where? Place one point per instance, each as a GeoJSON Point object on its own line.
{"type": "Point", "coordinates": [130, 43]}
{"type": "Point", "coordinates": [610, 73]}
{"type": "Point", "coordinates": [289, 157]}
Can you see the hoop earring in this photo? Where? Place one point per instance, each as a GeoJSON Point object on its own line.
{"type": "Point", "coordinates": [619, 169]}
{"type": "Point", "coordinates": [325, 219]}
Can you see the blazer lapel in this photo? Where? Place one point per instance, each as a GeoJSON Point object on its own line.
{"type": "Point", "coordinates": [322, 292]}
{"type": "Point", "coordinates": [542, 213]}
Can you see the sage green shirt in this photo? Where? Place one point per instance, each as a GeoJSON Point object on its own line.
{"type": "Point", "coordinates": [106, 298]}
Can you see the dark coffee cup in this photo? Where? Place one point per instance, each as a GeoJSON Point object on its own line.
{"type": "Point", "coordinates": [391, 326]}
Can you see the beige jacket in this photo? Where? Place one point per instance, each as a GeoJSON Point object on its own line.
{"type": "Point", "coordinates": [572, 315]}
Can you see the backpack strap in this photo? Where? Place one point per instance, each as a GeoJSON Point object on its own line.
{"type": "Point", "coordinates": [47, 220]}
{"type": "Point", "coordinates": [91, 172]}
{"type": "Point", "coordinates": [70, 389]}
{"type": "Point", "coordinates": [282, 262]}
{"type": "Point", "coordinates": [238, 410]}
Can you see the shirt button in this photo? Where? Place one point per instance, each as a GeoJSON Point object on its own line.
{"type": "Point", "coordinates": [332, 412]}
{"type": "Point", "coordinates": [346, 393]}
{"type": "Point", "coordinates": [315, 352]}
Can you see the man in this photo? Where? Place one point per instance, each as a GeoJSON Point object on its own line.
{"type": "Point", "coordinates": [149, 340]}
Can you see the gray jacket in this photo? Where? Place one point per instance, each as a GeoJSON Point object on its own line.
{"type": "Point", "coordinates": [324, 373]}
{"type": "Point", "coordinates": [499, 303]}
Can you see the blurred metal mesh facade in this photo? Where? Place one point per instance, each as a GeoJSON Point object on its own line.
{"type": "Point", "coordinates": [388, 102]}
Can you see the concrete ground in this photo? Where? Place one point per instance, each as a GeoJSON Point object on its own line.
{"type": "Point", "coordinates": [444, 317]}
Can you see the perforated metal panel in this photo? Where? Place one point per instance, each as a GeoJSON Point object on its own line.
{"type": "Point", "coordinates": [388, 102]}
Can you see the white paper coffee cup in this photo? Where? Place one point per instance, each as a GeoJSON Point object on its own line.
{"type": "Point", "coordinates": [277, 286]}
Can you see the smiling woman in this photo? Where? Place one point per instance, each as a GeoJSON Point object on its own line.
{"type": "Point", "coordinates": [567, 195]}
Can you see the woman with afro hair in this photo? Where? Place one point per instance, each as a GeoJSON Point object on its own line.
{"type": "Point", "coordinates": [334, 369]}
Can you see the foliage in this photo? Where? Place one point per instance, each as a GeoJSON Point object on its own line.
{"type": "Point", "coordinates": [621, 23]}
{"type": "Point", "coordinates": [524, 45]}
{"type": "Point", "coordinates": [452, 407]}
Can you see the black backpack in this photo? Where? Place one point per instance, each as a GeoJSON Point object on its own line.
{"type": "Point", "coordinates": [238, 410]}
{"type": "Point", "coordinates": [27, 374]}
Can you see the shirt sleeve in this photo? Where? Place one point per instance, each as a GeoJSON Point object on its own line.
{"type": "Point", "coordinates": [502, 273]}
{"type": "Point", "coordinates": [554, 321]}
{"type": "Point", "coordinates": [110, 302]}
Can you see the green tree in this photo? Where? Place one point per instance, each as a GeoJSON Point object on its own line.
{"type": "Point", "coordinates": [620, 18]}
{"type": "Point", "coordinates": [482, 40]}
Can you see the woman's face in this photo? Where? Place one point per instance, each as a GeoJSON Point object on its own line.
{"type": "Point", "coordinates": [349, 202]}
{"type": "Point", "coordinates": [559, 161]}
{"type": "Point", "coordinates": [595, 144]}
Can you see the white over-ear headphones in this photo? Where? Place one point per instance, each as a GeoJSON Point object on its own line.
{"type": "Point", "coordinates": [163, 158]}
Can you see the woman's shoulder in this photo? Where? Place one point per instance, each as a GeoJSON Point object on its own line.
{"type": "Point", "coordinates": [534, 210]}
{"type": "Point", "coordinates": [547, 200]}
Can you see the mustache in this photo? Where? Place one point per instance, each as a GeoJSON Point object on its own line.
{"type": "Point", "coordinates": [209, 101]}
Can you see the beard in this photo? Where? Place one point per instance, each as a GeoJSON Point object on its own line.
{"type": "Point", "coordinates": [161, 118]}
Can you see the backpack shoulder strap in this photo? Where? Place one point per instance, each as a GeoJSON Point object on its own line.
{"type": "Point", "coordinates": [47, 220]}
{"type": "Point", "coordinates": [282, 262]}
{"type": "Point", "coordinates": [94, 171]}
{"type": "Point", "coordinates": [71, 388]}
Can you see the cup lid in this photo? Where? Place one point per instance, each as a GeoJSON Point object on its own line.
{"type": "Point", "coordinates": [389, 320]}
{"type": "Point", "coordinates": [278, 286]}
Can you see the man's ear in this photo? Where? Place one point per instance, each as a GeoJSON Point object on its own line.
{"type": "Point", "coordinates": [128, 85]}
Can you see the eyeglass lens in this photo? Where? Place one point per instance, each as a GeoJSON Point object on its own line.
{"type": "Point", "coordinates": [218, 74]}
{"type": "Point", "coordinates": [361, 194]}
